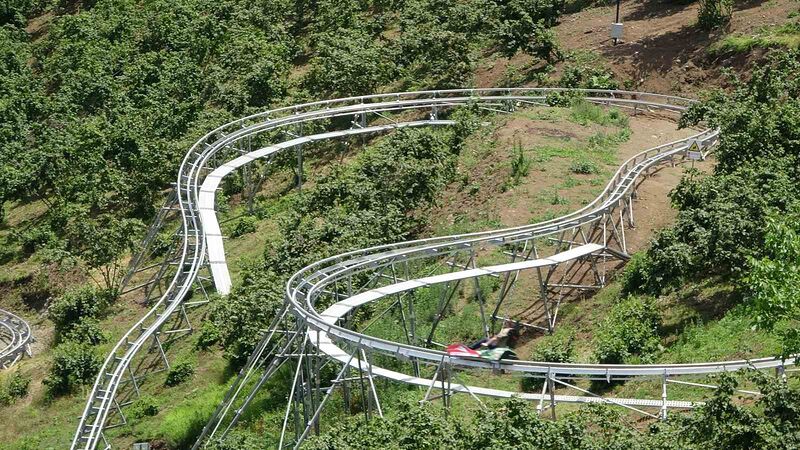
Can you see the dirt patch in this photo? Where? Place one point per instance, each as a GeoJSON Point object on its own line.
{"type": "Point", "coordinates": [663, 49]}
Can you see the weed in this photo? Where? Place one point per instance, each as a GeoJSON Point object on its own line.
{"type": "Point", "coordinates": [179, 372]}
{"type": "Point", "coordinates": [585, 113]}
{"type": "Point", "coordinates": [520, 167]}
{"type": "Point", "coordinates": [584, 167]}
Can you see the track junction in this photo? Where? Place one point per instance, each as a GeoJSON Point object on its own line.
{"type": "Point", "coordinates": [562, 258]}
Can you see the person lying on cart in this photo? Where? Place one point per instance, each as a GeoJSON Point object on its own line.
{"type": "Point", "coordinates": [507, 337]}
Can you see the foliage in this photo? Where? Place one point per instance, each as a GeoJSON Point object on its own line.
{"type": "Point", "coordinates": [759, 119]}
{"type": "Point", "coordinates": [238, 440]}
{"type": "Point", "coordinates": [143, 406]}
{"type": "Point", "coordinates": [86, 330]}
{"type": "Point", "coordinates": [714, 13]}
{"type": "Point", "coordinates": [584, 167]}
{"type": "Point", "coordinates": [630, 330]}
{"type": "Point", "coordinates": [180, 372]}
{"type": "Point", "coordinates": [558, 348]}
{"type": "Point", "coordinates": [585, 71]}
{"type": "Point", "coordinates": [74, 364]}
{"type": "Point", "coordinates": [244, 225]}
{"type": "Point", "coordinates": [525, 25]}
{"type": "Point", "coordinates": [14, 387]}
{"type": "Point", "coordinates": [722, 220]}
{"type": "Point", "coordinates": [520, 167]}
{"type": "Point", "coordinates": [366, 203]}
{"type": "Point", "coordinates": [239, 318]}
{"type": "Point", "coordinates": [721, 422]}
{"type": "Point", "coordinates": [76, 306]}
{"type": "Point", "coordinates": [585, 113]}
{"type": "Point", "coordinates": [349, 62]}
{"type": "Point", "coordinates": [771, 284]}
{"type": "Point", "coordinates": [430, 57]}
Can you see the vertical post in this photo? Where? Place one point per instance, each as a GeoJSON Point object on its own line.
{"type": "Point", "coordinates": [616, 20]}
{"type": "Point", "coordinates": [664, 396]}
{"type": "Point", "coordinates": [552, 388]}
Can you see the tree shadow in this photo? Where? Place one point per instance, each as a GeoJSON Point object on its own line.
{"type": "Point", "coordinates": [658, 53]}
{"type": "Point", "coordinates": [703, 309]}
{"type": "Point", "coordinates": [656, 9]}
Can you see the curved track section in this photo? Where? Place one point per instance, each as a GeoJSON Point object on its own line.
{"type": "Point", "coordinates": [591, 237]}
{"type": "Point", "coordinates": [15, 339]}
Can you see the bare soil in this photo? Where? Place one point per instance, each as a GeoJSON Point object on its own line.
{"type": "Point", "coordinates": [663, 50]}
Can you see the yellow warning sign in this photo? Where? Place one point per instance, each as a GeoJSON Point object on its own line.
{"type": "Point", "coordinates": [695, 151]}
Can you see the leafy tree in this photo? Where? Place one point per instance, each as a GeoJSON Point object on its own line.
{"type": "Point", "coordinates": [525, 25]}
{"type": "Point", "coordinates": [771, 284]}
{"type": "Point", "coordinates": [723, 218]}
{"type": "Point", "coordinates": [349, 62]}
{"type": "Point", "coordinates": [431, 57]}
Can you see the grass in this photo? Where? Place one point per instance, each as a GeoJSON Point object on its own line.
{"type": "Point", "coordinates": [783, 36]}
{"type": "Point", "coordinates": [584, 113]}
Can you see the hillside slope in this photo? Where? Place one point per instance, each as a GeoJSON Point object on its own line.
{"type": "Point", "coordinates": [44, 253]}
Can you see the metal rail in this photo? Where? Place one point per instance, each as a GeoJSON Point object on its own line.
{"type": "Point", "coordinates": [299, 331]}
{"type": "Point", "coordinates": [15, 339]}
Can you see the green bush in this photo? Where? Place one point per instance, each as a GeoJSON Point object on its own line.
{"type": "Point", "coordinates": [15, 387]}
{"type": "Point", "coordinates": [245, 225]}
{"type": "Point", "coordinates": [630, 330]}
{"type": "Point", "coordinates": [87, 330]}
{"type": "Point", "coordinates": [584, 167]}
{"type": "Point", "coordinates": [74, 364]}
{"type": "Point", "coordinates": [557, 348]}
{"type": "Point", "coordinates": [143, 406]}
{"type": "Point", "coordinates": [179, 372]}
{"type": "Point", "coordinates": [525, 25]}
{"type": "Point", "coordinates": [714, 13]}
{"type": "Point", "coordinates": [77, 304]}
{"type": "Point", "coordinates": [238, 440]}
{"type": "Point", "coordinates": [586, 74]}
{"type": "Point", "coordinates": [240, 317]}
{"type": "Point", "coordinates": [771, 284]}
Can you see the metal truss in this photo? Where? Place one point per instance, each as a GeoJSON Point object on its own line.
{"type": "Point", "coordinates": [327, 353]}
{"type": "Point", "coordinates": [15, 339]}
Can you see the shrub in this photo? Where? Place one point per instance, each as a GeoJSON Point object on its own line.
{"type": "Point", "coordinates": [520, 166]}
{"type": "Point", "coordinates": [74, 364]}
{"type": "Point", "coordinates": [714, 13]}
{"type": "Point", "coordinates": [771, 284]}
{"type": "Point", "coordinates": [240, 317]}
{"type": "Point", "coordinates": [14, 388]}
{"type": "Point", "coordinates": [245, 224]}
{"type": "Point", "coordinates": [75, 305]}
{"type": "Point", "coordinates": [525, 25]}
{"type": "Point", "coordinates": [586, 72]}
{"type": "Point", "coordinates": [143, 406]}
{"type": "Point", "coordinates": [179, 372]}
{"type": "Point", "coordinates": [631, 330]}
{"type": "Point", "coordinates": [584, 167]}
{"type": "Point", "coordinates": [663, 268]}
{"type": "Point", "coordinates": [238, 440]}
{"type": "Point", "coordinates": [433, 58]}
{"type": "Point", "coordinates": [87, 331]}
{"type": "Point", "coordinates": [557, 348]}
